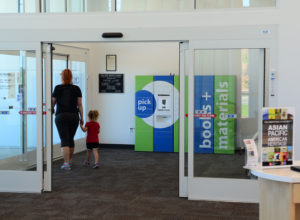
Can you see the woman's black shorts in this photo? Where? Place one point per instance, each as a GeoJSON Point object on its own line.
{"type": "Point", "coordinates": [67, 124]}
{"type": "Point", "coordinates": [91, 146]}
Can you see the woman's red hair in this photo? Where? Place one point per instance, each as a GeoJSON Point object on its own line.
{"type": "Point", "coordinates": [66, 76]}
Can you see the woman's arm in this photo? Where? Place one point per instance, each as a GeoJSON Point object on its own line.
{"type": "Point", "coordinates": [53, 104]}
{"type": "Point", "coordinates": [79, 104]}
{"type": "Point", "coordinates": [84, 129]}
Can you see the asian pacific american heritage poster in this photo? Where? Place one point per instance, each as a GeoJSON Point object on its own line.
{"type": "Point", "coordinates": [277, 138]}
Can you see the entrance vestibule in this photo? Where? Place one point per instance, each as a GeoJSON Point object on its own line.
{"type": "Point", "coordinates": [160, 59]}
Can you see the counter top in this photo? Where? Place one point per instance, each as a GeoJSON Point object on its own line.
{"type": "Point", "coordinates": [283, 174]}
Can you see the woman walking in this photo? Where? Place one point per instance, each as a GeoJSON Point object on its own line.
{"type": "Point", "coordinates": [68, 100]}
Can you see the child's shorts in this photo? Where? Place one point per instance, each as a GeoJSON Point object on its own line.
{"type": "Point", "coordinates": [91, 146]}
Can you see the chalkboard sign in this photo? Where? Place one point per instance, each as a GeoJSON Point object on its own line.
{"type": "Point", "coordinates": [111, 83]}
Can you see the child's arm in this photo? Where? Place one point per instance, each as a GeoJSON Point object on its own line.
{"type": "Point", "coordinates": [84, 129]}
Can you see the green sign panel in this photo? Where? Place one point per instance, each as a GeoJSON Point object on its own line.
{"type": "Point", "coordinates": [144, 134]}
{"type": "Point", "coordinates": [224, 108]}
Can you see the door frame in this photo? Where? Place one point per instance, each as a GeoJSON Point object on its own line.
{"type": "Point", "coordinates": [183, 179]}
{"type": "Point", "coordinates": [225, 189]}
{"type": "Point", "coordinates": [48, 156]}
{"type": "Point", "coordinates": [48, 151]}
{"type": "Point", "coordinates": [187, 184]}
{"type": "Point", "coordinates": [51, 150]}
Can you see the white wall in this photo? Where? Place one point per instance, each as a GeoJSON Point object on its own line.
{"type": "Point", "coordinates": [289, 71]}
{"type": "Point", "coordinates": [117, 109]}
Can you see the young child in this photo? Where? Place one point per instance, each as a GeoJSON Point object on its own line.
{"type": "Point", "coordinates": [92, 141]}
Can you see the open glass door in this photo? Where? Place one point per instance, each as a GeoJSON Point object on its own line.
{"type": "Point", "coordinates": [183, 129]}
{"type": "Point", "coordinates": [56, 58]}
{"type": "Point", "coordinates": [226, 94]}
{"type": "Point", "coordinates": [47, 118]}
{"type": "Point", "coordinates": [21, 117]}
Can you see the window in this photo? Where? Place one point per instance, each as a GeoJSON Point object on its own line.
{"type": "Point", "coordinates": [79, 78]}
{"type": "Point", "coordinates": [17, 6]}
{"type": "Point", "coordinates": [201, 4]}
{"type": "Point", "coordinates": [59, 64]}
{"type": "Point", "coordinates": [154, 5]}
{"type": "Point", "coordinates": [17, 109]}
{"type": "Point", "coordinates": [60, 6]}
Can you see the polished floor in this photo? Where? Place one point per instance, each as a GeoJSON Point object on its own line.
{"type": "Point", "coordinates": [128, 185]}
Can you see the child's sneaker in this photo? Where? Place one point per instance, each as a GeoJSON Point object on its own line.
{"type": "Point", "coordinates": [86, 163]}
{"type": "Point", "coordinates": [65, 166]}
{"type": "Point", "coordinates": [70, 163]}
{"type": "Point", "coordinates": [96, 166]}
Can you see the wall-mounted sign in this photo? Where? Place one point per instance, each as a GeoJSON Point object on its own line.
{"type": "Point", "coordinates": [277, 136]}
{"type": "Point", "coordinates": [111, 62]}
{"type": "Point", "coordinates": [111, 83]}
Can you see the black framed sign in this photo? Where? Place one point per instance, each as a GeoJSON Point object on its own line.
{"type": "Point", "coordinates": [111, 62]}
{"type": "Point", "coordinates": [111, 83]}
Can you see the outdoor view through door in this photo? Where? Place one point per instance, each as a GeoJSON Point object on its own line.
{"type": "Point", "coordinates": [18, 110]}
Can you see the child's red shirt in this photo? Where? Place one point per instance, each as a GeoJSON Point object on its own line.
{"type": "Point", "coordinates": [93, 129]}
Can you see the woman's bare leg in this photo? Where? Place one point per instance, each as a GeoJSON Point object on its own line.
{"type": "Point", "coordinates": [66, 153]}
{"type": "Point", "coordinates": [71, 152]}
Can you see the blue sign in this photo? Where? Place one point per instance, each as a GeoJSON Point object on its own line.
{"type": "Point", "coordinates": [164, 137]}
{"type": "Point", "coordinates": [144, 104]}
{"type": "Point", "coordinates": [204, 104]}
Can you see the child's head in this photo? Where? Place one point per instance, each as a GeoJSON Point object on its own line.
{"type": "Point", "coordinates": [93, 115]}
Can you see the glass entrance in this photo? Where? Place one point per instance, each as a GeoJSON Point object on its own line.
{"type": "Point", "coordinates": [20, 113]}
{"type": "Point", "coordinates": [229, 85]}
{"type": "Point", "coordinates": [56, 58]}
{"type": "Point", "coordinates": [225, 103]}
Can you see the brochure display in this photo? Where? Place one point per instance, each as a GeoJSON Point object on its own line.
{"type": "Point", "coordinates": [277, 136]}
{"type": "Point", "coordinates": [252, 155]}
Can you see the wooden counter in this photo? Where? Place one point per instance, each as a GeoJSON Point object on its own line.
{"type": "Point", "coordinates": [279, 193]}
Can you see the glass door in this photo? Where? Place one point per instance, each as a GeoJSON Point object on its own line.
{"type": "Point", "coordinates": [226, 94]}
{"type": "Point", "coordinates": [21, 117]}
{"type": "Point", "coordinates": [56, 58]}
{"type": "Point", "coordinates": [47, 117]}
